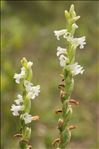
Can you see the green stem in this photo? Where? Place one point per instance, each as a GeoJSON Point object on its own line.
{"type": "Point", "coordinates": [27, 106]}
{"type": "Point", "coordinates": [65, 134]}
{"type": "Point", "coordinates": [23, 145]}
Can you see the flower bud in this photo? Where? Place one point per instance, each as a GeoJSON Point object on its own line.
{"type": "Point", "coordinates": [72, 11]}
{"type": "Point", "coordinates": [75, 19]}
{"type": "Point", "coordinates": [67, 15]}
{"type": "Point", "coordinates": [27, 133]}
{"type": "Point", "coordinates": [24, 62]}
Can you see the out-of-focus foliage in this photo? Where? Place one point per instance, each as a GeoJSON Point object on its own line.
{"type": "Point", "coordinates": [27, 30]}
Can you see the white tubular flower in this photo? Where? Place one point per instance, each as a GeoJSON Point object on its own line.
{"type": "Point", "coordinates": [74, 26]}
{"type": "Point", "coordinates": [77, 41]}
{"type": "Point", "coordinates": [19, 76]}
{"type": "Point", "coordinates": [59, 33]}
{"type": "Point", "coordinates": [63, 60]}
{"type": "Point", "coordinates": [61, 51]}
{"type": "Point", "coordinates": [19, 99]}
{"type": "Point", "coordinates": [27, 118]}
{"type": "Point", "coordinates": [28, 85]}
{"type": "Point", "coordinates": [80, 42]}
{"type": "Point", "coordinates": [76, 69]}
{"type": "Point", "coordinates": [29, 64]}
{"type": "Point", "coordinates": [32, 91]}
{"type": "Point", "coordinates": [15, 109]}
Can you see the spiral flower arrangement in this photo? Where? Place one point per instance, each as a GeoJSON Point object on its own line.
{"type": "Point", "coordinates": [22, 106]}
{"type": "Point", "coordinates": [70, 69]}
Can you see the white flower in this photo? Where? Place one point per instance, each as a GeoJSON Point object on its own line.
{"type": "Point", "coordinates": [32, 91]}
{"type": "Point", "coordinates": [28, 85]}
{"type": "Point", "coordinates": [29, 64]}
{"type": "Point", "coordinates": [76, 69]}
{"type": "Point", "coordinates": [74, 26]}
{"type": "Point", "coordinates": [77, 41]}
{"type": "Point", "coordinates": [63, 60]}
{"type": "Point", "coordinates": [61, 51]}
{"type": "Point", "coordinates": [19, 76]}
{"type": "Point", "coordinates": [27, 118]}
{"type": "Point", "coordinates": [59, 33]}
{"type": "Point", "coordinates": [15, 109]}
{"type": "Point", "coordinates": [19, 99]}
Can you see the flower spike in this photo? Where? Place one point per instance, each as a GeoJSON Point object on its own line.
{"type": "Point", "coordinates": [22, 104]}
{"type": "Point", "coordinates": [71, 68]}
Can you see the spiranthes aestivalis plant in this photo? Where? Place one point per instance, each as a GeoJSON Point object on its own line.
{"type": "Point", "coordinates": [22, 104]}
{"type": "Point", "coordinates": [70, 69]}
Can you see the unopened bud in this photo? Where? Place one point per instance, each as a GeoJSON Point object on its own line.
{"type": "Point", "coordinates": [72, 11]}
{"type": "Point", "coordinates": [67, 15]}
{"type": "Point", "coordinates": [24, 61]}
{"type": "Point", "coordinates": [72, 8]}
{"type": "Point", "coordinates": [75, 18]}
{"type": "Point", "coordinates": [27, 133]}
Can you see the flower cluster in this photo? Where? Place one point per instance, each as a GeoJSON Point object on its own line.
{"type": "Point", "coordinates": [22, 103]}
{"type": "Point", "coordinates": [64, 54]}
{"type": "Point", "coordinates": [71, 68]}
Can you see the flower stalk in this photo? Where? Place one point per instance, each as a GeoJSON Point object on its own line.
{"type": "Point", "coordinates": [22, 106]}
{"type": "Point", "coordinates": [70, 69]}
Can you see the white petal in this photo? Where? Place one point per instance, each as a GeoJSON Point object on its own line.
{"type": "Point", "coordinates": [77, 41]}
{"type": "Point", "coordinates": [30, 64]}
{"type": "Point", "coordinates": [63, 60]}
{"type": "Point", "coordinates": [76, 69]}
{"type": "Point", "coordinates": [28, 85]}
{"type": "Point", "coordinates": [15, 109]}
{"type": "Point", "coordinates": [22, 72]}
{"type": "Point", "coordinates": [61, 51]}
{"type": "Point", "coordinates": [19, 99]}
{"type": "Point", "coordinates": [32, 91]}
{"type": "Point", "coordinates": [19, 76]}
{"type": "Point", "coordinates": [27, 118]}
{"type": "Point", "coordinates": [59, 33]}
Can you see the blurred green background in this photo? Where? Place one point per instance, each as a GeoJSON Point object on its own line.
{"type": "Point", "coordinates": [27, 31]}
